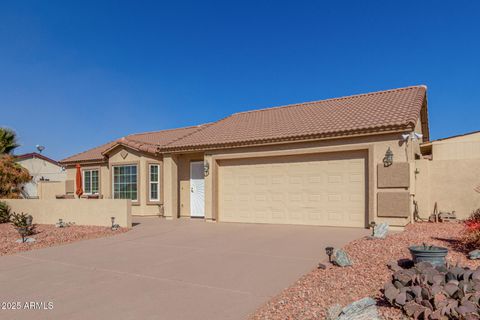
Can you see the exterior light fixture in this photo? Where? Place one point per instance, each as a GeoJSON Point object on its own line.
{"type": "Point", "coordinates": [388, 159]}
{"type": "Point", "coordinates": [115, 226]}
{"type": "Point", "coordinates": [372, 225]}
{"type": "Point", "coordinates": [206, 168]}
{"type": "Point", "coordinates": [329, 251]}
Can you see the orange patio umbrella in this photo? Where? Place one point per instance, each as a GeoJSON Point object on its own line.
{"type": "Point", "coordinates": [78, 181]}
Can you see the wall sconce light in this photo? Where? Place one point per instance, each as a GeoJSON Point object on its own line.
{"type": "Point", "coordinates": [372, 226]}
{"type": "Point", "coordinates": [329, 252]}
{"type": "Point", "coordinates": [388, 159]}
{"type": "Point", "coordinates": [206, 168]}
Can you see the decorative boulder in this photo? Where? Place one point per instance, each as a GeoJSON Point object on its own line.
{"type": "Point", "coordinates": [341, 258]}
{"type": "Point", "coordinates": [474, 255]}
{"type": "Point", "coordinates": [380, 231]}
{"type": "Point", "coordinates": [363, 309]}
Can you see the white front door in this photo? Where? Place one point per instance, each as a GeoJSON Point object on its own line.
{"type": "Point", "coordinates": [197, 189]}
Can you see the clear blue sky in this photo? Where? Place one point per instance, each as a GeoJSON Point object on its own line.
{"type": "Point", "coordinates": [76, 74]}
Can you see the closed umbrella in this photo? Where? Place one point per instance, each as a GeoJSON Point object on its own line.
{"type": "Point", "coordinates": [78, 182]}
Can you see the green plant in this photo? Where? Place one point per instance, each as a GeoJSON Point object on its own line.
{"type": "Point", "coordinates": [23, 221]}
{"type": "Point", "coordinates": [4, 212]}
{"type": "Point", "coordinates": [8, 141]}
{"type": "Point", "coordinates": [427, 292]}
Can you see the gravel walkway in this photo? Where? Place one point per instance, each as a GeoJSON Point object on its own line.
{"type": "Point", "coordinates": [312, 294]}
{"type": "Point", "coordinates": [49, 235]}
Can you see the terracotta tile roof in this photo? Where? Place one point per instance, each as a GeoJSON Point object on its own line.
{"type": "Point", "coordinates": [147, 142]}
{"type": "Point", "coordinates": [395, 109]}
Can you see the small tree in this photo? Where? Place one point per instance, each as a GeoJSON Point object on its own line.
{"type": "Point", "coordinates": [4, 212]}
{"type": "Point", "coordinates": [12, 176]}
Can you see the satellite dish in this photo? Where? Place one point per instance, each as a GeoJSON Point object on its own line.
{"type": "Point", "coordinates": [40, 148]}
{"type": "Point", "coordinates": [405, 136]}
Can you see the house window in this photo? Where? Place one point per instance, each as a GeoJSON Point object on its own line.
{"type": "Point", "coordinates": [90, 181]}
{"type": "Point", "coordinates": [154, 182]}
{"type": "Point", "coordinates": [125, 182]}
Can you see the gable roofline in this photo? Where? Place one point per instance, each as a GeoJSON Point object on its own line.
{"type": "Point", "coordinates": [417, 104]}
{"type": "Point", "coordinates": [392, 110]}
{"type": "Point", "coordinates": [32, 155]}
{"type": "Point", "coordinates": [131, 141]}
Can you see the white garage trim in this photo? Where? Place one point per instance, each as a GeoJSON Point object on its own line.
{"type": "Point", "coordinates": [212, 179]}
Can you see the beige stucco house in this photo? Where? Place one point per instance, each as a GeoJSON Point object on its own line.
{"type": "Point", "coordinates": [316, 163]}
{"type": "Point", "coordinates": [42, 169]}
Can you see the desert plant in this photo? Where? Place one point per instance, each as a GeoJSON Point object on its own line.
{"type": "Point", "coordinates": [4, 212]}
{"type": "Point", "coordinates": [23, 221]}
{"type": "Point", "coordinates": [427, 292]}
{"type": "Point", "coordinates": [471, 235]}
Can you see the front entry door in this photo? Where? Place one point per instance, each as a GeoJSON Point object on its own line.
{"type": "Point", "coordinates": [197, 189]}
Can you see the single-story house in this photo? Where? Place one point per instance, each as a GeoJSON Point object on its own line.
{"type": "Point", "coordinates": [325, 162]}
{"type": "Point", "coordinates": [42, 169]}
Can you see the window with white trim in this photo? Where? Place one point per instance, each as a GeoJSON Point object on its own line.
{"type": "Point", "coordinates": [125, 182]}
{"type": "Point", "coordinates": [90, 181]}
{"type": "Point", "coordinates": [154, 182]}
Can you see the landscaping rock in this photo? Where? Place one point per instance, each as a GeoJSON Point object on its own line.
{"type": "Point", "coordinates": [341, 258]}
{"type": "Point", "coordinates": [322, 266]}
{"type": "Point", "coordinates": [364, 309]}
{"type": "Point", "coordinates": [473, 255]}
{"type": "Point", "coordinates": [380, 231]}
{"type": "Point", "coordinates": [334, 312]}
{"type": "Point", "coordinates": [27, 240]}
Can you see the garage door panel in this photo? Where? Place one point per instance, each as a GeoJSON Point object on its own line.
{"type": "Point", "coordinates": [320, 189]}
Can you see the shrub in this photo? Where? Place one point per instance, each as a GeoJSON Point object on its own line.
{"type": "Point", "coordinates": [12, 177]}
{"type": "Point", "coordinates": [4, 212]}
{"type": "Point", "coordinates": [425, 292]}
{"type": "Point", "coordinates": [22, 220]}
{"type": "Point", "coordinates": [471, 235]}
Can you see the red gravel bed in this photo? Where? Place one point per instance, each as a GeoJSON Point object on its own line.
{"type": "Point", "coordinates": [49, 235]}
{"type": "Point", "coordinates": [311, 295]}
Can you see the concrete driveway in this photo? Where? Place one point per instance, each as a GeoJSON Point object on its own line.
{"type": "Point", "coordinates": [182, 269]}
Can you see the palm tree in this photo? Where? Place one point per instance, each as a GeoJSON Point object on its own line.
{"type": "Point", "coordinates": [8, 141]}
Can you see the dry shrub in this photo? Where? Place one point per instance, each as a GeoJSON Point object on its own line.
{"type": "Point", "coordinates": [471, 235]}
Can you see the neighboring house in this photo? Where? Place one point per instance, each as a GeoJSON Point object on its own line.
{"type": "Point", "coordinates": [41, 168]}
{"type": "Point", "coordinates": [315, 163]}
{"type": "Point", "coordinates": [459, 147]}
{"type": "Point", "coordinates": [449, 175]}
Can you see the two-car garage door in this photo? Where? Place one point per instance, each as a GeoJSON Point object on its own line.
{"type": "Point", "coordinates": [316, 189]}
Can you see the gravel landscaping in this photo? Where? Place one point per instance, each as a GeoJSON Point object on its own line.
{"type": "Point", "coordinates": [49, 235]}
{"type": "Point", "coordinates": [311, 295]}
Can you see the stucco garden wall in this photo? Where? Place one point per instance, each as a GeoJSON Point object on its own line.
{"type": "Point", "coordinates": [81, 211]}
{"type": "Point", "coordinates": [450, 183]}
{"type": "Point", "coordinates": [49, 189]}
